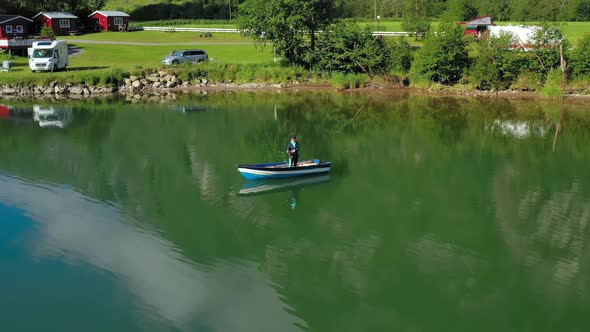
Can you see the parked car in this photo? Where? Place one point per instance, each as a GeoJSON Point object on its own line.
{"type": "Point", "coordinates": [190, 56]}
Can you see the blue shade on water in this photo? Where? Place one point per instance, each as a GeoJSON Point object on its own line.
{"type": "Point", "coordinates": [440, 214]}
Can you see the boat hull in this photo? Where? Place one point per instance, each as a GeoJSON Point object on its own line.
{"type": "Point", "coordinates": [281, 170]}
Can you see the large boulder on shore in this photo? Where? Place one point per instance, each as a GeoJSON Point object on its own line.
{"type": "Point", "coordinates": [9, 91]}
{"type": "Point", "coordinates": [76, 90]}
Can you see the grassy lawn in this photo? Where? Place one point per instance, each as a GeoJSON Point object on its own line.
{"type": "Point", "coordinates": [225, 24]}
{"type": "Point", "coordinates": [161, 37]}
{"type": "Point", "coordinates": [96, 58]}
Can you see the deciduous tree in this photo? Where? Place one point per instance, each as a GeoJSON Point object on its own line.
{"type": "Point", "coordinates": [443, 58]}
{"type": "Point", "coordinates": [291, 25]}
{"type": "Point", "coordinates": [415, 17]}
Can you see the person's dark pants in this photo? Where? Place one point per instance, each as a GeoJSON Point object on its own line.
{"type": "Point", "coordinates": [293, 160]}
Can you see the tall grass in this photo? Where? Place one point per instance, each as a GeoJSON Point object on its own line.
{"type": "Point", "coordinates": [527, 81]}
{"type": "Point", "coordinates": [552, 88]}
{"type": "Point", "coordinates": [580, 82]}
{"type": "Point", "coordinates": [345, 81]}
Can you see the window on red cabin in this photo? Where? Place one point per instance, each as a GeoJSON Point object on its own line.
{"type": "Point", "coordinates": [20, 29]}
{"type": "Point", "coordinates": [64, 24]}
{"type": "Point", "coordinates": [118, 21]}
{"type": "Point", "coordinates": [8, 29]}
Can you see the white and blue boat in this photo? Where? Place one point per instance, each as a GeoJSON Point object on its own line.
{"type": "Point", "coordinates": [282, 169]}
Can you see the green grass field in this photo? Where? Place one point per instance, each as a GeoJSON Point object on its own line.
{"type": "Point", "coordinates": [161, 37]}
{"type": "Point", "coordinates": [103, 57]}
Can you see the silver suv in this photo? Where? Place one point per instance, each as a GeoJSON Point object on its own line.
{"type": "Point", "coordinates": [190, 56]}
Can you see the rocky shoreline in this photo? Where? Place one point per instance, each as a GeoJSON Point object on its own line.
{"type": "Point", "coordinates": [164, 85]}
{"type": "Point", "coordinates": [139, 87]}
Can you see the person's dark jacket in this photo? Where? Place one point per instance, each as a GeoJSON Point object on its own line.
{"type": "Point", "coordinates": [291, 148]}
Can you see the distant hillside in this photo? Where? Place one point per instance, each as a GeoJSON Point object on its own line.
{"type": "Point", "coordinates": [151, 10]}
{"type": "Point", "coordinates": [130, 5]}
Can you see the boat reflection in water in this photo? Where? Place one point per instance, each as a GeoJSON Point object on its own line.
{"type": "Point", "coordinates": [256, 187]}
{"type": "Point", "coordinates": [293, 185]}
{"type": "Point", "coordinates": [50, 117]}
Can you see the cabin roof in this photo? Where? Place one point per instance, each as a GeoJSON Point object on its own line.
{"type": "Point", "coordinates": [8, 18]}
{"type": "Point", "coordinates": [57, 15]}
{"type": "Point", "coordinates": [110, 13]}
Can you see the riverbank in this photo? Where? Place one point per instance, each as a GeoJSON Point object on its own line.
{"type": "Point", "coordinates": [146, 83]}
{"type": "Point", "coordinates": [164, 86]}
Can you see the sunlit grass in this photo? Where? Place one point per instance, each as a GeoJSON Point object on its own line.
{"type": "Point", "coordinates": [161, 37]}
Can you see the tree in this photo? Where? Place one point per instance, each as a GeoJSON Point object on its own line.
{"type": "Point", "coordinates": [582, 10]}
{"type": "Point", "coordinates": [495, 65]}
{"type": "Point", "coordinates": [461, 10]}
{"type": "Point", "coordinates": [415, 18]}
{"type": "Point", "coordinates": [287, 23]}
{"type": "Point", "coordinates": [348, 48]}
{"type": "Point", "coordinates": [401, 56]}
{"type": "Point", "coordinates": [443, 58]}
{"type": "Point", "coordinates": [31, 7]}
{"type": "Point", "coordinates": [546, 44]}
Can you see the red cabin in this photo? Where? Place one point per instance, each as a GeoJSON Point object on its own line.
{"type": "Point", "coordinates": [110, 20]}
{"type": "Point", "coordinates": [14, 29]}
{"type": "Point", "coordinates": [61, 23]}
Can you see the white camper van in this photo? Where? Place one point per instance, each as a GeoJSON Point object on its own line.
{"type": "Point", "coordinates": [48, 55]}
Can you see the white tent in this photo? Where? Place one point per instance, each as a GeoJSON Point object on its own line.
{"type": "Point", "coordinates": [523, 34]}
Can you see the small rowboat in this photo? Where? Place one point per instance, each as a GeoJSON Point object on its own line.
{"type": "Point", "coordinates": [282, 169]}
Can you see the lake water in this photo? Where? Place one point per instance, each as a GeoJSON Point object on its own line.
{"type": "Point", "coordinates": [440, 214]}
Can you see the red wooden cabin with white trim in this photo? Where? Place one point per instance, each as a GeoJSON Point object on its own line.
{"type": "Point", "coordinates": [60, 22]}
{"type": "Point", "coordinates": [110, 20]}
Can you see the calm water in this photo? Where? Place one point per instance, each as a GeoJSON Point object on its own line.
{"type": "Point", "coordinates": [441, 214]}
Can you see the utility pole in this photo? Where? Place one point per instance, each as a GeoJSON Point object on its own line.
{"type": "Point", "coordinates": [229, 2]}
{"type": "Point", "coordinates": [375, 3]}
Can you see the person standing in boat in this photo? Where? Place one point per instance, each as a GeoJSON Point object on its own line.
{"type": "Point", "coordinates": [293, 151]}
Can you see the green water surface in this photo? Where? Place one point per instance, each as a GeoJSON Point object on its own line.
{"type": "Point", "coordinates": [440, 214]}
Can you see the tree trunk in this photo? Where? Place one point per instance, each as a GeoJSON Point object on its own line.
{"type": "Point", "coordinates": [563, 66]}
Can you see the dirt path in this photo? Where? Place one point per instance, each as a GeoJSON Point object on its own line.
{"type": "Point", "coordinates": [108, 42]}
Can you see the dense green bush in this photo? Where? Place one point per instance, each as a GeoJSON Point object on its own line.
{"type": "Point", "coordinates": [494, 64]}
{"type": "Point", "coordinates": [350, 49]}
{"type": "Point", "coordinates": [401, 56]}
{"type": "Point", "coordinates": [444, 58]}
{"type": "Point", "coordinates": [579, 63]}
{"type": "Point", "coordinates": [47, 32]}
